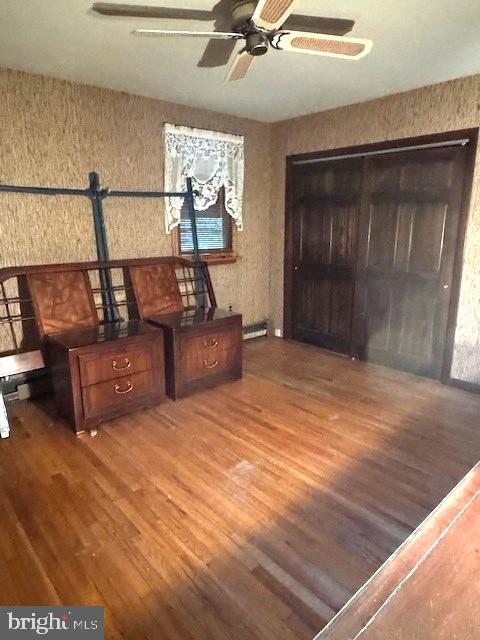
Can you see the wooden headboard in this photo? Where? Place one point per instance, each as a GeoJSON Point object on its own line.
{"type": "Point", "coordinates": [32, 304]}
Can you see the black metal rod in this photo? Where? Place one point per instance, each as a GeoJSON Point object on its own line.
{"type": "Point", "coordinates": [193, 219]}
{"type": "Point", "coordinates": [108, 296]}
{"type": "Point", "coordinates": [61, 191]}
{"type": "Point", "coordinates": [199, 275]}
{"type": "Point", "coordinates": [96, 194]}
{"type": "Point", "coordinates": [44, 191]}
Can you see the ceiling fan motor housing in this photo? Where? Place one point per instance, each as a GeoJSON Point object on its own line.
{"type": "Point", "coordinates": [257, 44]}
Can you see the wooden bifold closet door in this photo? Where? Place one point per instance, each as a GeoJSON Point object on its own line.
{"type": "Point", "coordinates": [327, 197]}
{"type": "Point", "coordinates": [372, 243]}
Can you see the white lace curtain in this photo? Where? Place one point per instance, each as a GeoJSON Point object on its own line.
{"type": "Point", "coordinates": [212, 160]}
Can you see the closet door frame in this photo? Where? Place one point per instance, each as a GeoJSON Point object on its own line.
{"type": "Point", "coordinates": [438, 138]}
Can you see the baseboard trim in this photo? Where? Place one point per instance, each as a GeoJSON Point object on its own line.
{"type": "Point", "coordinates": [466, 386]}
{"type": "Point", "coordinates": [257, 330]}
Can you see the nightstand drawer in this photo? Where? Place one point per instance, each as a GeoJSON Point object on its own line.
{"type": "Point", "coordinates": [205, 364]}
{"type": "Point", "coordinates": [106, 397]}
{"type": "Point", "coordinates": [98, 367]}
{"type": "Point", "coordinates": [210, 342]}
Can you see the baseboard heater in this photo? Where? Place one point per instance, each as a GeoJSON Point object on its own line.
{"type": "Point", "coordinates": [255, 330]}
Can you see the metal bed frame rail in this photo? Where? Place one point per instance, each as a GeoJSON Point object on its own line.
{"type": "Point", "coordinates": [20, 362]}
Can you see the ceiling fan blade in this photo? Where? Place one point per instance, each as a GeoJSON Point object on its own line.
{"type": "Point", "coordinates": [271, 14]}
{"type": "Point", "coordinates": [217, 53]}
{"type": "Point", "coordinates": [240, 67]}
{"type": "Point", "coordinates": [321, 44]}
{"type": "Point", "coordinates": [159, 33]}
{"type": "Point", "coordinates": [222, 13]}
{"type": "Point", "coordinates": [314, 24]}
{"type": "Point", "coordinates": [166, 13]}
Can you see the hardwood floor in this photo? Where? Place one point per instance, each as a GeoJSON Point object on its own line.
{"type": "Point", "coordinates": [251, 511]}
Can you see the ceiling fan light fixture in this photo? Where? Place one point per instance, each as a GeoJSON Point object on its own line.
{"type": "Point", "coordinates": [257, 44]}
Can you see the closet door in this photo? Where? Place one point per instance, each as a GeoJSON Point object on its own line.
{"type": "Point", "coordinates": [407, 237]}
{"type": "Point", "coordinates": [324, 208]}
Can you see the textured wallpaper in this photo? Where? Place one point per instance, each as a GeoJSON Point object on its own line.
{"type": "Point", "coordinates": [442, 107]}
{"type": "Point", "coordinates": [53, 133]}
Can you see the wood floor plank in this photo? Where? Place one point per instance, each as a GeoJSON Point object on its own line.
{"type": "Point", "coordinates": [251, 511]}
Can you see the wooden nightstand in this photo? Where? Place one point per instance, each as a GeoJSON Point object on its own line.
{"type": "Point", "coordinates": [106, 371]}
{"type": "Point", "coordinates": [202, 349]}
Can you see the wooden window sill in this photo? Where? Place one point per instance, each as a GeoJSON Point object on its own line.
{"type": "Point", "coordinates": [223, 258]}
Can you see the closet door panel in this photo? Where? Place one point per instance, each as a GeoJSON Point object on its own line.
{"type": "Point", "coordinates": [408, 232]}
{"type": "Point", "coordinates": [325, 210]}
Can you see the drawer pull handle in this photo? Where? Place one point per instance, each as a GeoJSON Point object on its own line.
{"type": "Point", "coordinates": [127, 365]}
{"type": "Point", "coordinates": [122, 392]}
{"type": "Point", "coordinates": [210, 366]}
{"type": "Point", "coordinates": [213, 343]}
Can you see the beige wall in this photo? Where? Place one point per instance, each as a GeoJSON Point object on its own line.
{"type": "Point", "coordinates": [53, 133]}
{"type": "Point", "coordinates": [443, 107]}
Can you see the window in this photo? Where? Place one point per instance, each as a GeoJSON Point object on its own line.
{"type": "Point", "coordinates": [214, 162]}
{"type": "Point", "coordinates": [215, 230]}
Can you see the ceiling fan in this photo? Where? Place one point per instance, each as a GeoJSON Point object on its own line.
{"type": "Point", "coordinates": [260, 25]}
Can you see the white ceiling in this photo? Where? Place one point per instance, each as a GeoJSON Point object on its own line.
{"type": "Point", "coordinates": [415, 44]}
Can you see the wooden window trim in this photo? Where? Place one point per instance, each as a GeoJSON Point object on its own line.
{"type": "Point", "coordinates": [213, 257]}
